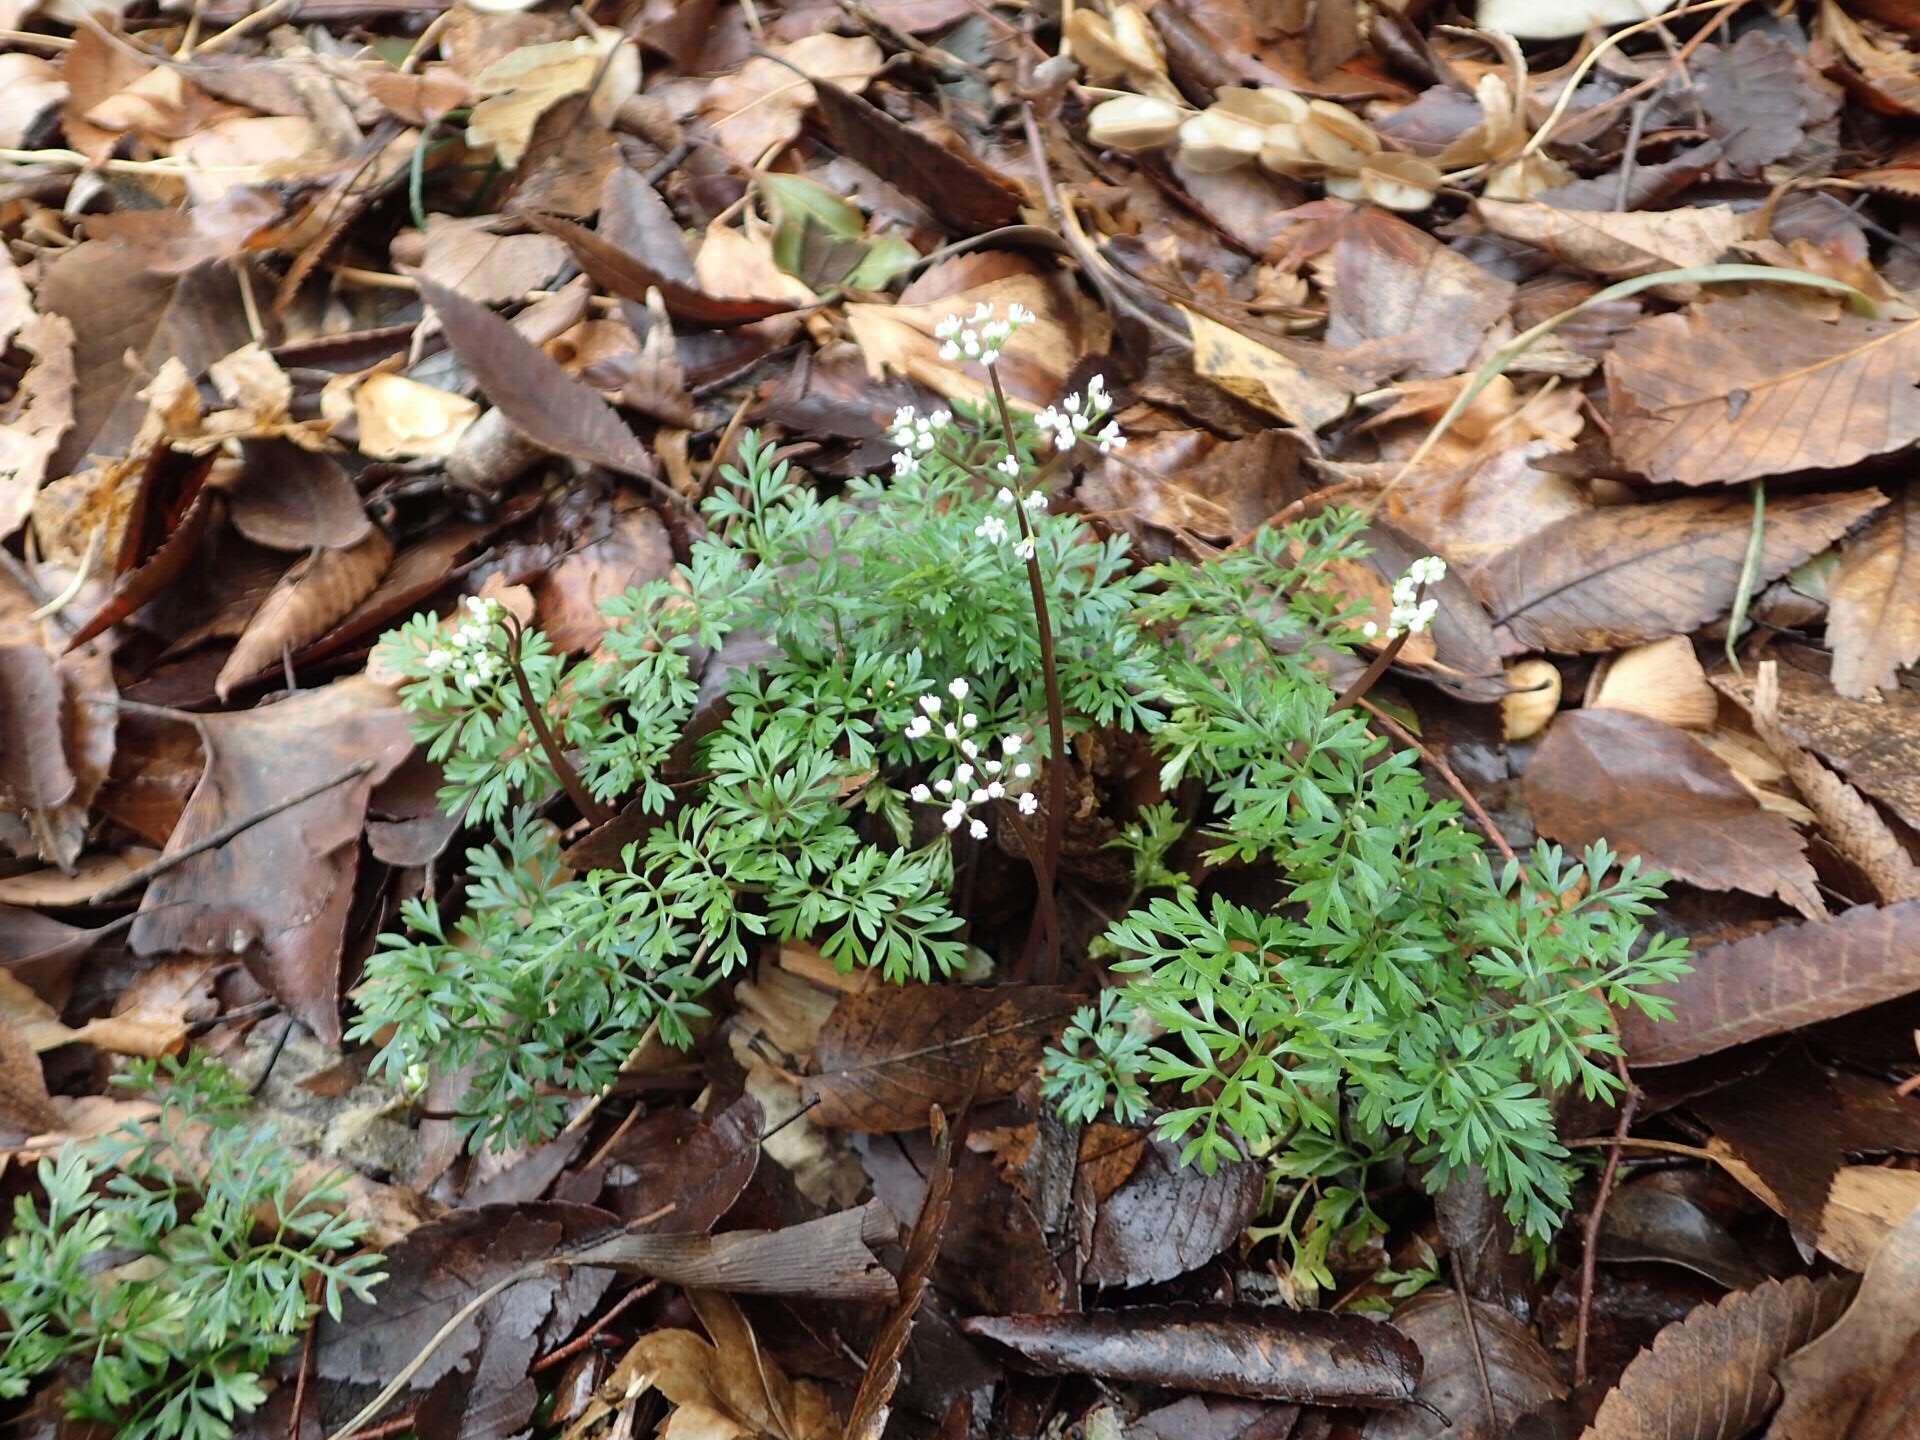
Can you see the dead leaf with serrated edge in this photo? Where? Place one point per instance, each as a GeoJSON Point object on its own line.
{"type": "Point", "coordinates": [1873, 603]}
{"type": "Point", "coordinates": [312, 595]}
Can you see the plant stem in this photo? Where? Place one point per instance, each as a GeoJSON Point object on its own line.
{"type": "Point", "coordinates": [1590, 1256]}
{"type": "Point", "coordinates": [1046, 915]}
{"type": "Point", "coordinates": [590, 809]}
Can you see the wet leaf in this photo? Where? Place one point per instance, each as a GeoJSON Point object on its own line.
{"type": "Point", "coordinates": [1753, 385]}
{"type": "Point", "coordinates": [1310, 1356]}
{"type": "Point", "coordinates": [1627, 573]}
{"type": "Point", "coordinates": [1792, 975]}
{"type": "Point", "coordinates": [1710, 1377]}
{"type": "Point", "coordinates": [1519, 1372]}
{"type": "Point", "coordinates": [1652, 790]}
{"type": "Point", "coordinates": [887, 1053]}
{"type": "Point", "coordinates": [1168, 1218]}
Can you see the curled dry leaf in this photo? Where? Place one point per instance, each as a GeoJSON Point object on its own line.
{"type": "Point", "coordinates": [1532, 698]}
{"type": "Point", "coordinates": [1654, 791]}
{"type": "Point", "coordinates": [312, 595]}
{"type": "Point", "coordinates": [1711, 1376]}
{"type": "Point", "coordinates": [466, 255]}
{"type": "Point", "coordinates": [36, 416]}
{"type": "Point", "coordinates": [1754, 385]}
{"type": "Point", "coordinates": [1627, 573]}
{"type": "Point", "coordinates": [1560, 19]}
{"type": "Point", "coordinates": [404, 419]}
{"type": "Point", "coordinates": [1662, 680]}
{"type": "Point", "coordinates": [1796, 974]}
{"type": "Point", "coordinates": [1312, 1356]}
{"type": "Point", "coordinates": [1873, 616]}
{"type": "Point", "coordinates": [1520, 1375]}
{"type": "Point", "coordinates": [1298, 385]}
{"type": "Point", "coordinates": [888, 1053]}
{"type": "Point", "coordinates": [34, 774]}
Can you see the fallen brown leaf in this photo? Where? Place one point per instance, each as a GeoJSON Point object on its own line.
{"type": "Point", "coordinates": [1750, 386]}
{"type": "Point", "coordinates": [1616, 245]}
{"type": "Point", "coordinates": [1829, 1381]}
{"type": "Point", "coordinates": [1710, 1377]}
{"type": "Point", "coordinates": [758, 110]}
{"type": "Point", "coordinates": [1873, 615]}
{"type": "Point", "coordinates": [292, 498]}
{"type": "Point", "coordinates": [1519, 1373]}
{"type": "Point", "coordinates": [1797, 973]}
{"type": "Point", "coordinates": [310, 597]}
{"type": "Point", "coordinates": [1312, 1356]}
{"type": "Point", "coordinates": [1628, 573]}
{"type": "Point", "coordinates": [1652, 790]}
{"type": "Point", "coordinates": [1401, 289]}
{"type": "Point", "coordinates": [1166, 1218]}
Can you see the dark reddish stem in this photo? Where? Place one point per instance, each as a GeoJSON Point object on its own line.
{"type": "Point", "coordinates": [1047, 915]}
{"type": "Point", "coordinates": [1590, 1257]}
{"type": "Point", "coordinates": [591, 809]}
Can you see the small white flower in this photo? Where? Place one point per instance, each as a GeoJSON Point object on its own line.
{"type": "Point", "coordinates": [921, 794]}
{"type": "Point", "coordinates": [945, 787]}
{"type": "Point", "coordinates": [923, 443]}
{"type": "Point", "coordinates": [969, 749]}
{"type": "Point", "coordinates": [1037, 500]}
{"type": "Point", "coordinates": [1020, 314]}
{"type": "Point", "coordinates": [1429, 571]}
{"type": "Point", "coordinates": [949, 351]}
{"type": "Point", "coordinates": [1022, 770]}
{"type": "Point", "coordinates": [1370, 630]}
{"type": "Point", "coordinates": [950, 730]}
{"type": "Point", "coordinates": [990, 354]}
{"type": "Point", "coordinates": [1009, 466]}
{"type": "Point", "coordinates": [1111, 439]}
{"type": "Point", "coordinates": [992, 767]}
{"type": "Point", "coordinates": [1010, 745]}
{"type": "Point", "coordinates": [939, 419]}
{"type": "Point", "coordinates": [1073, 404]}
{"type": "Point", "coordinates": [978, 829]}
{"type": "Point", "coordinates": [905, 464]}
{"type": "Point", "coordinates": [1029, 803]}
{"type": "Point", "coordinates": [1063, 438]}
{"type": "Point", "coordinates": [980, 797]}
{"type": "Point", "coordinates": [969, 721]}
{"type": "Point", "coordinates": [438, 659]}
{"type": "Point", "coordinates": [947, 328]}
{"type": "Point", "coordinates": [1024, 547]}
{"type": "Point", "coordinates": [996, 790]}
{"type": "Point", "coordinates": [918, 726]}
{"type": "Point", "coordinates": [1004, 497]}
{"type": "Point", "coordinates": [958, 688]}
{"type": "Point", "coordinates": [953, 815]}
{"type": "Point", "coordinates": [996, 330]}
{"type": "Point", "coordinates": [982, 313]}
{"type": "Point", "coordinates": [963, 775]}
{"type": "Point", "coordinates": [930, 704]}
{"type": "Point", "coordinates": [992, 529]}
{"type": "Point", "coordinates": [1405, 590]}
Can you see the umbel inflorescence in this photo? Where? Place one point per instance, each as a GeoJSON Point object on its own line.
{"type": "Point", "coordinates": [940, 642]}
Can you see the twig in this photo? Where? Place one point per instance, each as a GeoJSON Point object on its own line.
{"type": "Point", "coordinates": [29, 37]}
{"type": "Point", "coordinates": [1446, 772]}
{"type": "Point", "coordinates": [1473, 1339]}
{"type": "Point", "coordinates": [273, 10]}
{"type": "Point", "coordinates": [1590, 1258]}
{"type": "Point", "coordinates": [74, 586]}
{"type": "Point", "coordinates": [306, 1362]}
{"type": "Point", "coordinates": [1294, 509]}
{"type": "Point", "coordinates": [140, 877]}
{"type": "Point", "coordinates": [626, 1066]}
{"type": "Point", "coordinates": [1749, 576]}
{"type": "Point", "coordinates": [574, 1347]}
{"type": "Point", "coordinates": [1046, 914]}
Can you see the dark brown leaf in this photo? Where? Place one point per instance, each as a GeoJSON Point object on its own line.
{"type": "Point", "coordinates": [873, 1401]}
{"type": "Point", "coordinates": [1311, 1356]}
{"type": "Point", "coordinates": [1792, 975]}
{"type": "Point", "coordinates": [695, 1164]}
{"type": "Point", "coordinates": [293, 499]}
{"type": "Point", "coordinates": [41, 952]}
{"type": "Point", "coordinates": [304, 605]}
{"type": "Point", "coordinates": [963, 193]}
{"type": "Point", "coordinates": [116, 307]}
{"type": "Point", "coordinates": [887, 1053]}
{"type": "Point", "coordinates": [1519, 1372]}
{"type": "Point", "coordinates": [1399, 288]}
{"type": "Point", "coordinates": [1756, 93]}
{"type": "Point", "coordinates": [1627, 573]}
{"type": "Point", "coordinates": [1743, 388]}
{"type": "Point", "coordinates": [165, 566]}
{"type": "Point", "coordinates": [25, 1107]}
{"type": "Point", "coordinates": [34, 774]}
{"type": "Point", "coordinates": [1170, 1218]}
{"type": "Point", "coordinates": [630, 277]}
{"type": "Point", "coordinates": [1711, 1376]}
{"type": "Point", "coordinates": [1652, 790]}
{"type": "Point", "coordinates": [544, 402]}
{"type": "Point", "coordinates": [277, 894]}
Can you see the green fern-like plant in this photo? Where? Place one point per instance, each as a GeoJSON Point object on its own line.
{"type": "Point", "coordinates": [1403, 999]}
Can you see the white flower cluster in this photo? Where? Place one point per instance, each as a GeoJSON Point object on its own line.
{"type": "Point", "coordinates": [467, 656]}
{"type": "Point", "coordinates": [1076, 417]}
{"type": "Point", "coordinates": [995, 530]}
{"type": "Point", "coordinates": [1411, 614]}
{"type": "Point", "coordinates": [981, 336]}
{"type": "Point", "coordinates": [980, 775]}
{"type": "Point", "coordinates": [916, 435]}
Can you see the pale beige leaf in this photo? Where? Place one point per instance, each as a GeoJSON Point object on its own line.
{"type": "Point", "coordinates": [1829, 1381]}
{"type": "Point", "coordinates": [1662, 680]}
{"type": "Point", "coordinates": [1617, 245]}
{"type": "Point", "coordinates": [1873, 603]}
{"type": "Point", "coordinates": [735, 264]}
{"type": "Point", "coordinates": [39, 412]}
{"type": "Point", "coordinates": [465, 255]}
{"type": "Point", "coordinates": [1750, 386]}
{"type": "Point", "coordinates": [521, 86]}
{"type": "Point", "coordinates": [1561, 19]}
{"type": "Point", "coordinates": [29, 87]}
{"type": "Point", "coordinates": [1279, 384]}
{"type": "Point", "coordinates": [309, 598]}
{"type": "Point", "coordinates": [25, 1106]}
{"type": "Point", "coordinates": [758, 108]}
{"type": "Point", "coordinates": [401, 418]}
